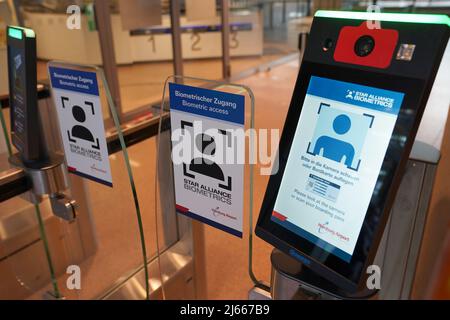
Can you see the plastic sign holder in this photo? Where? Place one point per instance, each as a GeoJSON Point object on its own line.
{"type": "Point", "coordinates": [194, 108]}
{"type": "Point", "coordinates": [76, 97]}
{"type": "Point", "coordinates": [102, 97]}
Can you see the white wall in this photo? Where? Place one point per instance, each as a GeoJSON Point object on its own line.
{"type": "Point", "coordinates": [56, 42]}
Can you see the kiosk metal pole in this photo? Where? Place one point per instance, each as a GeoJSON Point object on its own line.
{"type": "Point", "coordinates": [225, 14]}
{"type": "Point", "coordinates": [103, 17]}
{"type": "Point", "coordinates": [176, 37]}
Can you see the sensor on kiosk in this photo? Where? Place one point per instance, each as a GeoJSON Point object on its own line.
{"type": "Point", "coordinates": [354, 114]}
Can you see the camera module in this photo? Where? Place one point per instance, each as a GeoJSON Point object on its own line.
{"type": "Point", "coordinates": [327, 44]}
{"type": "Point", "coordinates": [364, 46]}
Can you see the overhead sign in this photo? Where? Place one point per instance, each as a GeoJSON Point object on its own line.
{"type": "Point", "coordinates": [77, 101]}
{"type": "Point", "coordinates": [208, 177]}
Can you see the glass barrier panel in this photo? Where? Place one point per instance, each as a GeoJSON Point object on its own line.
{"type": "Point", "coordinates": [105, 243]}
{"type": "Point", "coordinates": [221, 259]}
{"type": "Point", "coordinates": [27, 259]}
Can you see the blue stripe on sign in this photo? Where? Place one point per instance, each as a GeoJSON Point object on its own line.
{"type": "Point", "coordinates": [74, 80]}
{"type": "Point", "coordinates": [209, 103]}
{"type": "Point", "coordinates": [211, 223]}
{"type": "Point", "coordinates": [355, 94]}
{"type": "Point", "coordinates": [84, 175]}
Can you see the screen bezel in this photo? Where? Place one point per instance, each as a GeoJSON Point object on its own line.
{"type": "Point", "coordinates": [348, 276]}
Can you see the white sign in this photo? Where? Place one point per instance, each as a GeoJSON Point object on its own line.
{"type": "Point", "coordinates": [77, 101]}
{"type": "Point", "coordinates": [207, 188]}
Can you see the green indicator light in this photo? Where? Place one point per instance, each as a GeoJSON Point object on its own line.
{"type": "Point", "coordinates": [15, 33]}
{"type": "Point", "coordinates": [393, 17]}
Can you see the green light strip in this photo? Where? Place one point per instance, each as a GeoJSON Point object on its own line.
{"type": "Point", "coordinates": [16, 32]}
{"type": "Point", "coordinates": [394, 17]}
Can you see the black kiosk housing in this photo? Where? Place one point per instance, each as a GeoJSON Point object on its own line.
{"type": "Point", "coordinates": [389, 68]}
{"type": "Point", "coordinates": [45, 168]}
{"type": "Point", "coordinates": [26, 131]}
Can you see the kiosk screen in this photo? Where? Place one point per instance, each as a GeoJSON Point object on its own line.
{"type": "Point", "coordinates": [335, 159]}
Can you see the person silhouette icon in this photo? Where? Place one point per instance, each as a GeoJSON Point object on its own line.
{"type": "Point", "coordinates": [335, 149]}
{"type": "Point", "coordinates": [79, 131]}
{"type": "Point", "coordinates": [207, 146]}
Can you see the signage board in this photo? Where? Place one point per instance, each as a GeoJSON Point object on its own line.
{"type": "Point", "coordinates": [208, 177]}
{"type": "Point", "coordinates": [77, 101]}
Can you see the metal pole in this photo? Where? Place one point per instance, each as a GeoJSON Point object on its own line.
{"type": "Point", "coordinates": [176, 37]}
{"type": "Point", "coordinates": [105, 35]}
{"type": "Point", "coordinates": [270, 15]}
{"type": "Point", "coordinates": [17, 13]}
{"type": "Point", "coordinates": [283, 17]}
{"type": "Point", "coordinates": [226, 65]}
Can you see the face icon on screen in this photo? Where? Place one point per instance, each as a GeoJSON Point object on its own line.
{"type": "Point", "coordinates": [340, 135]}
{"type": "Point", "coordinates": [335, 149]}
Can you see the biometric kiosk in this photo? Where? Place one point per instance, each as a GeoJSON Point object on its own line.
{"type": "Point", "coordinates": [360, 95]}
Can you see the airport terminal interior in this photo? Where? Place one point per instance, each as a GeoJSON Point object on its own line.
{"type": "Point", "coordinates": [93, 204]}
